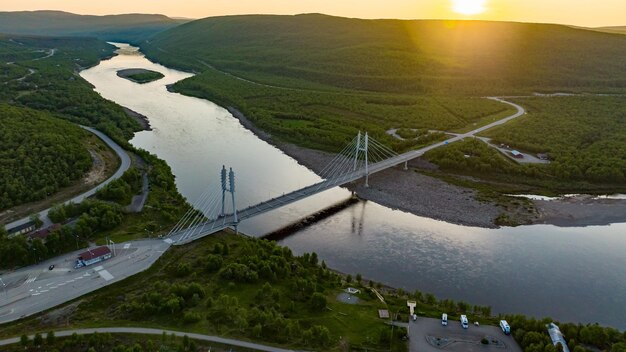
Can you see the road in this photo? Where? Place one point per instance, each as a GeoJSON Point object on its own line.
{"type": "Point", "coordinates": [206, 228]}
{"type": "Point", "coordinates": [146, 331]}
{"type": "Point", "coordinates": [34, 289]}
{"type": "Point", "coordinates": [124, 165]}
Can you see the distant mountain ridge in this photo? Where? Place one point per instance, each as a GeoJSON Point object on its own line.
{"type": "Point", "coordinates": [401, 56]}
{"type": "Point", "coordinates": [127, 27]}
{"type": "Point", "coordinates": [613, 29]}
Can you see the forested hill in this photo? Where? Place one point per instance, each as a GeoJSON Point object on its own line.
{"type": "Point", "coordinates": [419, 56]}
{"type": "Point", "coordinates": [128, 28]}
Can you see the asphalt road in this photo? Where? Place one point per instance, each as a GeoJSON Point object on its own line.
{"type": "Point", "coordinates": [145, 331]}
{"type": "Point", "coordinates": [124, 165]}
{"type": "Point", "coordinates": [34, 289]}
{"type": "Point", "coordinates": [424, 331]}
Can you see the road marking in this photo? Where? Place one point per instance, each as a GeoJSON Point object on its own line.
{"type": "Point", "coordinates": [36, 294]}
{"type": "Point", "coordinates": [50, 284]}
{"type": "Point", "coordinates": [168, 241]}
{"type": "Point", "coordinates": [105, 275]}
{"type": "Point", "coordinates": [68, 281]}
{"type": "Point", "coordinates": [79, 278]}
{"type": "Point", "coordinates": [42, 291]}
{"type": "Point", "coordinates": [61, 284]}
{"type": "Point", "coordinates": [127, 245]}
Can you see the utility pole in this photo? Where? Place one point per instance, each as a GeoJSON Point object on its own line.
{"type": "Point", "coordinates": [4, 287]}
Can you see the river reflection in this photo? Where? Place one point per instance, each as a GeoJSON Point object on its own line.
{"type": "Point", "coordinates": [570, 274]}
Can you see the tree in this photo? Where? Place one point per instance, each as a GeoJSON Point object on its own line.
{"type": "Point", "coordinates": [50, 338]}
{"type": "Point", "coordinates": [38, 340]}
{"type": "Point", "coordinates": [349, 278]}
{"type": "Point", "coordinates": [24, 340]}
{"type": "Point", "coordinates": [35, 218]}
{"type": "Point", "coordinates": [359, 278]}
{"type": "Point", "coordinates": [318, 302]}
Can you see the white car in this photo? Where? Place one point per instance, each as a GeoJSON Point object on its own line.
{"type": "Point", "coordinates": [444, 319]}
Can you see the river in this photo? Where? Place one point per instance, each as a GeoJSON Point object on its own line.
{"type": "Point", "coordinates": [570, 274]}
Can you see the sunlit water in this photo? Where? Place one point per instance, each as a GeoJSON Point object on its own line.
{"type": "Point", "coordinates": [570, 274]}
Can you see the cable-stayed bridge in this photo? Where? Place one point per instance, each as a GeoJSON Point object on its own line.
{"type": "Point", "coordinates": [362, 157]}
{"type": "Point", "coordinates": [211, 213]}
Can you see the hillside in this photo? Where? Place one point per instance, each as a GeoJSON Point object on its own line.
{"type": "Point", "coordinates": [39, 154]}
{"type": "Point", "coordinates": [420, 56]}
{"type": "Point", "coordinates": [616, 29]}
{"type": "Point", "coordinates": [130, 27]}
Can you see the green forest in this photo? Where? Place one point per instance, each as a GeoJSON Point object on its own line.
{"type": "Point", "coordinates": [42, 73]}
{"type": "Point", "coordinates": [39, 154]}
{"type": "Point", "coordinates": [432, 57]}
{"type": "Point", "coordinates": [585, 138]}
{"type": "Point", "coordinates": [328, 120]}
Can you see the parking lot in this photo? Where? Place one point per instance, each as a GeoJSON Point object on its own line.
{"type": "Point", "coordinates": [428, 335]}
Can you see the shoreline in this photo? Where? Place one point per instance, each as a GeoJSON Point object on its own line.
{"type": "Point", "coordinates": [398, 189]}
{"type": "Point", "coordinates": [426, 196]}
{"type": "Point", "coordinates": [143, 120]}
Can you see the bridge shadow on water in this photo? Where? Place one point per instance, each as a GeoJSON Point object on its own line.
{"type": "Point", "coordinates": [294, 227]}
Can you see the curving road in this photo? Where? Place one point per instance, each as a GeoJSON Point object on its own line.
{"type": "Point", "coordinates": [147, 331]}
{"type": "Point", "coordinates": [124, 165]}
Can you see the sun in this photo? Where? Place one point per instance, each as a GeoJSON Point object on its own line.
{"type": "Point", "coordinates": [468, 7]}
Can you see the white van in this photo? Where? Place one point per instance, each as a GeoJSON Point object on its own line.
{"type": "Point", "coordinates": [444, 319]}
{"type": "Point", "coordinates": [464, 322]}
{"type": "Point", "coordinates": [506, 329]}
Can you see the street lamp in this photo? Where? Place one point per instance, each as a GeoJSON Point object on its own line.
{"type": "Point", "coordinates": [4, 287]}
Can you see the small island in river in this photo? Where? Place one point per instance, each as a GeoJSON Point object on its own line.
{"type": "Point", "coordinates": [140, 75]}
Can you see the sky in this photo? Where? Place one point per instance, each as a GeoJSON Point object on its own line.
{"type": "Point", "coordinates": [589, 13]}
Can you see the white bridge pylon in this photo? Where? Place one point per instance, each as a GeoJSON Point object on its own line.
{"type": "Point", "coordinates": [358, 159]}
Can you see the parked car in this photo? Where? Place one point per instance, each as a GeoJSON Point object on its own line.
{"type": "Point", "coordinates": [444, 319]}
{"type": "Point", "coordinates": [51, 267]}
{"type": "Point", "coordinates": [464, 322]}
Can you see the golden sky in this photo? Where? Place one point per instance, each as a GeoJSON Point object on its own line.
{"type": "Point", "coordinates": [592, 13]}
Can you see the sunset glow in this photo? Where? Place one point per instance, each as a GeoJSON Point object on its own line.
{"type": "Point", "coordinates": [468, 7]}
{"type": "Point", "coordinates": [585, 13]}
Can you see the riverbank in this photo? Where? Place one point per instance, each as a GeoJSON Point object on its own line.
{"type": "Point", "coordinates": [405, 190]}
{"type": "Point", "coordinates": [422, 195]}
{"type": "Point", "coordinates": [141, 119]}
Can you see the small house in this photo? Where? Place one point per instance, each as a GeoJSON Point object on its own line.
{"type": "Point", "coordinates": [93, 256]}
{"type": "Point", "coordinates": [44, 233]}
{"type": "Point", "coordinates": [22, 229]}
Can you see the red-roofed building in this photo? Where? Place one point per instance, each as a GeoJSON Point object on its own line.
{"type": "Point", "coordinates": [93, 256]}
{"type": "Point", "coordinates": [44, 233]}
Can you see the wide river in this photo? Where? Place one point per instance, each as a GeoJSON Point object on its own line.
{"type": "Point", "coordinates": [570, 274]}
